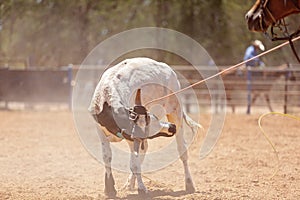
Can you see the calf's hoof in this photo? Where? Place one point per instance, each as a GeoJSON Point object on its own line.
{"type": "Point", "coordinates": [142, 192]}
{"type": "Point", "coordinates": [190, 189]}
{"type": "Point", "coordinates": [189, 186]}
{"type": "Point", "coordinates": [112, 192]}
{"type": "Point", "coordinates": [128, 187]}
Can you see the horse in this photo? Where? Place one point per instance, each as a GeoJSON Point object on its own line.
{"type": "Point", "coordinates": [265, 13]}
{"type": "Point", "coordinates": [119, 118]}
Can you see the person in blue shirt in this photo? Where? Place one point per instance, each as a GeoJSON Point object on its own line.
{"type": "Point", "coordinates": [252, 51]}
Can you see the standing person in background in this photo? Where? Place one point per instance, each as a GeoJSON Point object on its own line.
{"type": "Point", "coordinates": [252, 51]}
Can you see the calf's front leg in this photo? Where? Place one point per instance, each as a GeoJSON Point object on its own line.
{"type": "Point", "coordinates": [132, 178]}
{"type": "Point", "coordinates": [109, 189]}
{"type": "Point", "coordinates": [135, 167]}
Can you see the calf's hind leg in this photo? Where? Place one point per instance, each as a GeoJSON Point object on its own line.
{"type": "Point", "coordinates": [182, 150]}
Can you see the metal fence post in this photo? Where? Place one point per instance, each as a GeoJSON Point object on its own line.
{"type": "Point", "coordinates": [70, 81]}
{"type": "Point", "coordinates": [287, 75]}
{"type": "Point", "coordinates": [249, 89]}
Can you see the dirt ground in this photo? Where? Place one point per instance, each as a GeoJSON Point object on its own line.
{"type": "Point", "coordinates": [41, 157]}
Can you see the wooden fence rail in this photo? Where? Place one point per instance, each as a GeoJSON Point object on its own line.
{"type": "Point", "coordinates": [34, 86]}
{"type": "Point", "coordinates": [268, 87]}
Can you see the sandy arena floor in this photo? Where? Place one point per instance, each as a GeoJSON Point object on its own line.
{"type": "Point", "coordinates": [41, 157]}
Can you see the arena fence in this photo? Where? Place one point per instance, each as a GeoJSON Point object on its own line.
{"type": "Point", "coordinates": [274, 87]}
{"type": "Point", "coordinates": [33, 86]}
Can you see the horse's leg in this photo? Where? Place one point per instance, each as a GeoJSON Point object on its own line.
{"type": "Point", "coordinates": [182, 150]}
{"type": "Point", "coordinates": [131, 179]}
{"type": "Point", "coordinates": [267, 97]}
{"type": "Point", "coordinates": [254, 98]}
{"type": "Point", "coordinates": [135, 167]}
{"type": "Point", "coordinates": [230, 102]}
{"type": "Point", "coordinates": [109, 189]}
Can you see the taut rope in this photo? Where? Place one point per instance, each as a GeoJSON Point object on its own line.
{"type": "Point", "coordinates": [223, 71]}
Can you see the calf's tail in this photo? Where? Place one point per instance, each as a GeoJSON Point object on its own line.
{"type": "Point", "coordinates": [191, 123]}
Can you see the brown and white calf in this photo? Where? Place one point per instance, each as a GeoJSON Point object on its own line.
{"type": "Point", "coordinates": [120, 116]}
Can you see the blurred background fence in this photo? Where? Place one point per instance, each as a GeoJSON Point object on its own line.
{"type": "Point", "coordinates": [31, 87]}
{"type": "Point", "coordinates": [267, 88]}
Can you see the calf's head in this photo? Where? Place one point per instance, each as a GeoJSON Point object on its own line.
{"type": "Point", "coordinates": [135, 122]}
